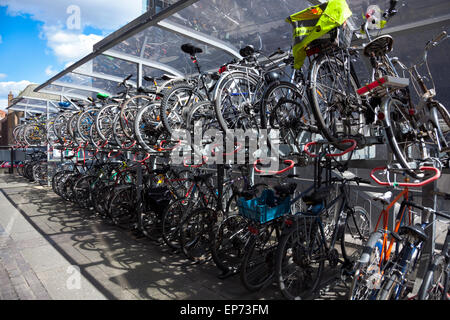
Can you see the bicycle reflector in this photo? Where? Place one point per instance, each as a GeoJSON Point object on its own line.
{"type": "Point", "coordinates": [222, 69]}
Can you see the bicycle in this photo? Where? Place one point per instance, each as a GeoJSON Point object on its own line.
{"type": "Point", "coordinates": [369, 269]}
{"type": "Point", "coordinates": [304, 247]}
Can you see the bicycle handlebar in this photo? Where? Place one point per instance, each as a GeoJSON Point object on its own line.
{"type": "Point", "coordinates": [291, 165]}
{"type": "Point", "coordinates": [418, 206]}
{"type": "Point", "coordinates": [407, 184]}
{"type": "Point", "coordinates": [352, 147]}
{"type": "Point", "coordinates": [436, 40]}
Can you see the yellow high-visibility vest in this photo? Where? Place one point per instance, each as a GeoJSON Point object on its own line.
{"type": "Point", "coordinates": [313, 22]}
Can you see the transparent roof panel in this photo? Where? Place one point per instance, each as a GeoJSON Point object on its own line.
{"type": "Point", "coordinates": [94, 83]}
{"type": "Point", "coordinates": [156, 44]}
{"type": "Point", "coordinates": [65, 91]}
{"type": "Point", "coordinates": [222, 27]}
{"type": "Point", "coordinates": [241, 22]}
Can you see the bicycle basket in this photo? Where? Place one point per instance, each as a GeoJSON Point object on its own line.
{"type": "Point", "coordinates": [315, 23]}
{"type": "Point", "coordinates": [264, 208]}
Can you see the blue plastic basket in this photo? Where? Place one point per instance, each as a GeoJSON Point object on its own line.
{"type": "Point", "coordinates": [262, 209]}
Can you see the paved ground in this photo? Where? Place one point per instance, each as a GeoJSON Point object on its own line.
{"type": "Point", "coordinates": [51, 250]}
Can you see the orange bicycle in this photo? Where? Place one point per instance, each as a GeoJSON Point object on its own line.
{"type": "Point", "coordinates": [376, 255]}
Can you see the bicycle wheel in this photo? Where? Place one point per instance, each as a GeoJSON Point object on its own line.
{"type": "Point", "coordinates": [147, 127]}
{"type": "Point", "coordinates": [300, 260]}
{"type": "Point", "coordinates": [391, 284]}
{"type": "Point", "coordinates": [122, 207]}
{"type": "Point", "coordinates": [335, 104]}
{"type": "Point", "coordinates": [172, 220]}
{"type": "Point", "coordinates": [176, 105]}
{"type": "Point", "coordinates": [150, 224]}
{"type": "Point", "coordinates": [235, 98]}
{"type": "Point", "coordinates": [197, 232]}
{"type": "Point", "coordinates": [368, 274]}
{"type": "Point", "coordinates": [258, 263]}
{"type": "Point", "coordinates": [356, 233]}
{"type": "Point", "coordinates": [406, 146]}
{"type": "Point", "coordinates": [284, 107]}
{"type": "Point", "coordinates": [82, 191]}
{"type": "Point", "coordinates": [129, 110]}
{"type": "Point", "coordinates": [229, 242]}
{"type": "Point", "coordinates": [435, 282]}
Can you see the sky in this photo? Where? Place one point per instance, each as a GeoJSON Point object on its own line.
{"type": "Point", "coordinates": [39, 38]}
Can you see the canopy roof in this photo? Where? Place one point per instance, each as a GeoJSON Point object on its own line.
{"type": "Point", "coordinates": [150, 45]}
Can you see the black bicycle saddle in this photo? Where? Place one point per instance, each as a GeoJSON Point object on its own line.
{"type": "Point", "coordinates": [190, 49]}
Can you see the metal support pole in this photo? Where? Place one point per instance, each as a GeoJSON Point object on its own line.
{"type": "Point", "coordinates": [11, 170]}
{"type": "Point", "coordinates": [220, 174]}
{"type": "Point", "coordinates": [428, 200]}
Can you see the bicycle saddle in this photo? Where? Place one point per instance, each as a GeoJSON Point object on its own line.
{"type": "Point", "coordinates": [415, 230]}
{"type": "Point", "coordinates": [384, 198]}
{"type": "Point", "coordinates": [379, 46]}
{"type": "Point", "coordinates": [247, 51]}
{"type": "Point", "coordinates": [285, 189]}
{"type": "Point", "coordinates": [318, 196]}
{"type": "Point", "coordinates": [145, 90]}
{"type": "Point", "coordinates": [191, 49]}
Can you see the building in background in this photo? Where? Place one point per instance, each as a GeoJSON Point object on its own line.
{"type": "Point", "coordinates": [154, 6]}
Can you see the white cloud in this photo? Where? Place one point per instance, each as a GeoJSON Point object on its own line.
{"type": "Point", "coordinates": [3, 75]}
{"type": "Point", "coordinates": [11, 86]}
{"type": "Point", "coordinates": [102, 14]}
{"type": "Point", "coordinates": [67, 45]}
{"type": "Point", "coordinates": [3, 104]}
{"type": "Point", "coordinates": [49, 71]}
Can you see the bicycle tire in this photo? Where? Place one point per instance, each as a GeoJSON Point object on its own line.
{"type": "Point", "coordinates": [394, 122]}
{"type": "Point", "coordinates": [196, 234]}
{"type": "Point", "coordinates": [356, 233]}
{"type": "Point", "coordinates": [326, 99]}
{"type": "Point", "coordinates": [229, 242]}
{"type": "Point", "coordinates": [367, 272]}
{"type": "Point", "coordinates": [301, 250]}
{"type": "Point", "coordinates": [235, 84]}
{"type": "Point", "coordinates": [435, 283]}
{"type": "Point", "coordinates": [175, 105]}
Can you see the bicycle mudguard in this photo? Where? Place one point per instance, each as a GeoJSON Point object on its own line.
{"type": "Point", "coordinates": [374, 238]}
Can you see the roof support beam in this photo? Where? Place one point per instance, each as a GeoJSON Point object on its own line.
{"type": "Point", "coordinates": [78, 87]}
{"type": "Point", "coordinates": [145, 62]}
{"type": "Point", "coordinates": [66, 95]}
{"type": "Point", "coordinates": [102, 76]}
{"type": "Point", "coordinates": [199, 36]}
